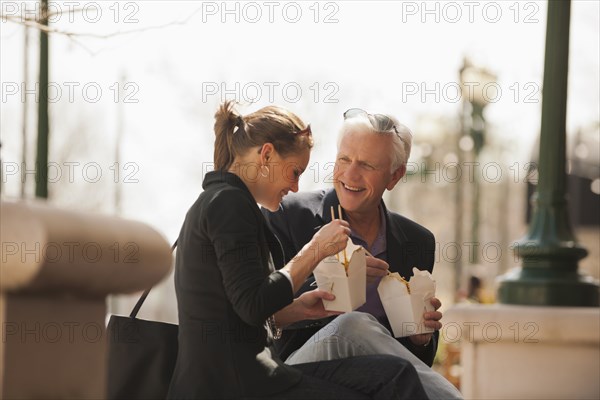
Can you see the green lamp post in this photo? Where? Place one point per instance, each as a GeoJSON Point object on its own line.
{"type": "Point", "coordinates": [549, 252]}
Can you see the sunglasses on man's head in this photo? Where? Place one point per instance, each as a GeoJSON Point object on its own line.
{"type": "Point", "coordinates": [381, 122]}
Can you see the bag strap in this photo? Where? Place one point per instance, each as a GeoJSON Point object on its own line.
{"type": "Point", "coordinates": [142, 298]}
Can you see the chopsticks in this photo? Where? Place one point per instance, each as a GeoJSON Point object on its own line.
{"type": "Point", "coordinates": [340, 217]}
{"type": "Point", "coordinates": [337, 255]}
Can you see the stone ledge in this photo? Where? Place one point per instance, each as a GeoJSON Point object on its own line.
{"type": "Point", "coordinates": [56, 268]}
{"type": "Point", "coordinates": [523, 352]}
{"type": "Point", "coordinates": [45, 249]}
{"type": "Point", "coordinates": [526, 323]}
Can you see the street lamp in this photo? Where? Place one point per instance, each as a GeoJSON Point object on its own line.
{"type": "Point", "coordinates": [550, 253]}
{"type": "Point", "coordinates": [477, 84]}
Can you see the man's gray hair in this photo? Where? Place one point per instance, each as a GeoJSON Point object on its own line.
{"type": "Point", "coordinates": [402, 142]}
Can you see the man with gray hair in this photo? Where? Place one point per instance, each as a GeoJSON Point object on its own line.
{"type": "Point", "coordinates": [373, 150]}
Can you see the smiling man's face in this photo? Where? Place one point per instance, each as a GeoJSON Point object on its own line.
{"type": "Point", "coordinates": [363, 170]}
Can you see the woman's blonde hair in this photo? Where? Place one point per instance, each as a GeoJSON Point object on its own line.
{"type": "Point", "coordinates": [236, 134]}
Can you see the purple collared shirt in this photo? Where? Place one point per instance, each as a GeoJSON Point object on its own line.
{"type": "Point", "coordinates": [373, 305]}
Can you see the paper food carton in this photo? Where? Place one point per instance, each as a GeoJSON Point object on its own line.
{"type": "Point", "coordinates": [347, 283]}
{"type": "Point", "coordinates": [405, 302]}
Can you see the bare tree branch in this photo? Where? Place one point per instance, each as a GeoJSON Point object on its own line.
{"type": "Point", "coordinates": [34, 24]}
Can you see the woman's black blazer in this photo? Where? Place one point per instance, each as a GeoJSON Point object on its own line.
{"type": "Point", "coordinates": [226, 290]}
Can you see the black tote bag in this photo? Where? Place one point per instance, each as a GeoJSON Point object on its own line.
{"type": "Point", "coordinates": [141, 355]}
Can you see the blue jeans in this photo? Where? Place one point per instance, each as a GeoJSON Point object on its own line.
{"type": "Point", "coordinates": [379, 377]}
{"type": "Point", "coordinates": [359, 334]}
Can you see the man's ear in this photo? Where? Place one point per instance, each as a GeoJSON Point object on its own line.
{"type": "Point", "coordinates": [396, 176]}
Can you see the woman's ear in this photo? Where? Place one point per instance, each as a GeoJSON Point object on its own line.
{"type": "Point", "coordinates": [266, 152]}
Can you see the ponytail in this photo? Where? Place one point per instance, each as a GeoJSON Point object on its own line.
{"type": "Point", "coordinates": [226, 123]}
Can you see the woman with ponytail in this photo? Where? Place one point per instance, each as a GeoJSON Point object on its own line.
{"type": "Point", "coordinates": [234, 293]}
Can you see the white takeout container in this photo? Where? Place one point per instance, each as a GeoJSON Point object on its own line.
{"type": "Point", "coordinates": [350, 290]}
{"type": "Point", "coordinates": [404, 310]}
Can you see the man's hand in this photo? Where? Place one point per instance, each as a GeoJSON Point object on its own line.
{"type": "Point", "coordinates": [309, 305]}
{"type": "Point", "coordinates": [376, 269]}
{"type": "Point", "coordinates": [432, 320]}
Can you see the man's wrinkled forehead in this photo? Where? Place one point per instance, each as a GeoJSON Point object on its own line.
{"type": "Point", "coordinates": [365, 144]}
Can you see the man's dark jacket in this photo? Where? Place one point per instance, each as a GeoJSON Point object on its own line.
{"type": "Point", "coordinates": [302, 214]}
